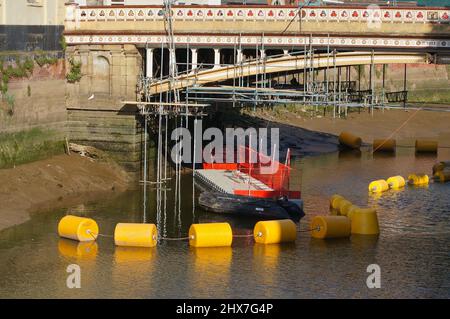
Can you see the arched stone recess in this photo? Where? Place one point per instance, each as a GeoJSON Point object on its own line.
{"type": "Point", "coordinates": [101, 81]}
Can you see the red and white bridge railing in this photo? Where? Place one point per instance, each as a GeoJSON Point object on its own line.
{"type": "Point", "coordinates": [266, 13]}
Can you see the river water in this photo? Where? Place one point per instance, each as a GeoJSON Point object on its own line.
{"type": "Point", "coordinates": [412, 249]}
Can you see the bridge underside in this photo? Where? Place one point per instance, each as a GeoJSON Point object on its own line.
{"type": "Point", "coordinates": [284, 64]}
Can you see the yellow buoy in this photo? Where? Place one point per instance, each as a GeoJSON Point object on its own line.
{"type": "Point", "coordinates": [396, 182]}
{"type": "Point", "coordinates": [334, 201]}
{"type": "Point", "coordinates": [424, 146]}
{"type": "Point", "coordinates": [210, 235]}
{"type": "Point", "coordinates": [418, 179]}
{"type": "Point", "coordinates": [351, 210]}
{"type": "Point", "coordinates": [384, 145]}
{"type": "Point", "coordinates": [334, 212]}
{"type": "Point", "coordinates": [440, 166]}
{"type": "Point", "coordinates": [78, 228]}
{"type": "Point", "coordinates": [135, 235]}
{"type": "Point", "coordinates": [330, 227]}
{"type": "Point", "coordinates": [344, 207]}
{"type": "Point", "coordinates": [444, 175]}
{"type": "Point", "coordinates": [378, 186]}
{"type": "Point", "coordinates": [275, 231]}
{"type": "Point", "coordinates": [365, 222]}
{"type": "Point", "coordinates": [349, 140]}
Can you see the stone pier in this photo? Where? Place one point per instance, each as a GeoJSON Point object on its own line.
{"type": "Point", "coordinates": [97, 115]}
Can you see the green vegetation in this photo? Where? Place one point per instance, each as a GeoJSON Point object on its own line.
{"type": "Point", "coordinates": [28, 146]}
{"type": "Point", "coordinates": [429, 96]}
{"type": "Point", "coordinates": [74, 74]}
{"type": "Point", "coordinates": [10, 101]}
{"type": "Point", "coordinates": [63, 43]}
{"type": "Point", "coordinates": [19, 69]}
{"type": "Point", "coordinates": [43, 59]}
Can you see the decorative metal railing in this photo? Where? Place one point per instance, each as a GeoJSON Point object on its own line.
{"type": "Point", "coordinates": [267, 13]}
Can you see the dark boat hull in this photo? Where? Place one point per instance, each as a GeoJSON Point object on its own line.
{"type": "Point", "coordinates": [249, 207]}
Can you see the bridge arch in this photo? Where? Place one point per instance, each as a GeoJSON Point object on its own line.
{"type": "Point", "coordinates": [287, 63]}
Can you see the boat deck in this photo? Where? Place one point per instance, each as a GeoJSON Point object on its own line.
{"type": "Point", "coordinates": [227, 181]}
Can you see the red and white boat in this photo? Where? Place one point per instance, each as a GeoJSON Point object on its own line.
{"type": "Point", "coordinates": [256, 185]}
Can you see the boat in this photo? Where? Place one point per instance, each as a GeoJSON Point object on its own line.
{"type": "Point", "coordinates": [249, 189]}
{"type": "Point", "coordinates": [250, 207]}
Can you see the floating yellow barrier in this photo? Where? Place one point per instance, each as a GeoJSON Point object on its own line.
{"type": "Point", "coordinates": [330, 227]}
{"type": "Point", "coordinates": [135, 235]}
{"type": "Point", "coordinates": [444, 175]}
{"type": "Point", "coordinates": [344, 207]}
{"type": "Point", "coordinates": [424, 146]}
{"type": "Point", "coordinates": [275, 231]}
{"type": "Point", "coordinates": [349, 140]}
{"type": "Point", "coordinates": [351, 210]}
{"type": "Point", "coordinates": [365, 222]}
{"type": "Point", "coordinates": [418, 179]}
{"type": "Point", "coordinates": [440, 167]}
{"type": "Point", "coordinates": [396, 182]}
{"type": "Point", "coordinates": [334, 212]}
{"type": "Point", "coordinates": [210, 235]}
{"type": "Point", "coordinates": [334, 201]}
{"type": "Point", "coordinates": [384, 145]}
{"type": "Point", "coordinates": [378, 186]}
{"type": "Point", "coordinates": [78, 228]}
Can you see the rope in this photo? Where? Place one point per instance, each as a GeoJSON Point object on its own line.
{"type": "Point", "coordinates": [175, 239]}
{"type": "Point", "coordinates": [308, 230]}
{"type": "Point", "coordinates": [98, 235]}
{"type": "Point", "coordinates": [398, 129]}
{"type": "Point", "coordinates": [243, 236]}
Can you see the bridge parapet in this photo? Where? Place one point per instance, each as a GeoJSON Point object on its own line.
{"type": "Point", "coordinates": [266, 13]}
{"type": "Point", "coordinates": [373, 18]}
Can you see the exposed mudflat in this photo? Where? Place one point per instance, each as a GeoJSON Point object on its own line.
{"type": "Point", "coordinates": [405, 126]}
{"type": "Point", "coordinates": [59, 181]}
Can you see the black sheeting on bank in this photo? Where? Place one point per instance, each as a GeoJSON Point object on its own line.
{"type": "Point", "coordinates": [30, 37]}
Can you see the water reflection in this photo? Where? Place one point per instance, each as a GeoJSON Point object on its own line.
{"type": "Point", "coordinates": [364, 242]}
{"type": "Point", "coordinates": [211, 271]}
{"type": "Point", "coordinates": [349, 153]}
{"type": "Point", "coordinates": [412, 248]}
{"type": "Point", "coordinates": [132, 255]}
{"type": "Point", "coordinates": [78, 251]}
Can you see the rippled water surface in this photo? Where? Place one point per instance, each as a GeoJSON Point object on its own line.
{"type": "Point", "coordinates": [412, 250]}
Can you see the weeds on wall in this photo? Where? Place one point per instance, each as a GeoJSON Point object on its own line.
{"type": "Point", "coordinates": [19, 69]}
{"type": "Point", "coordinates": [28, 146]}
{"type": "Point", "coordinates": [74, 74]}
{"type": "Point", "coordinates": [63, 43]}
{"type": "Point", "coordinates": [10, 102]}
{"type": "Point", "coordinates": [44, 59]}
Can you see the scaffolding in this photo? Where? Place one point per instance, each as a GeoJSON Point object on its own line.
{"type": "Point", "coordinates": [178, 107]}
